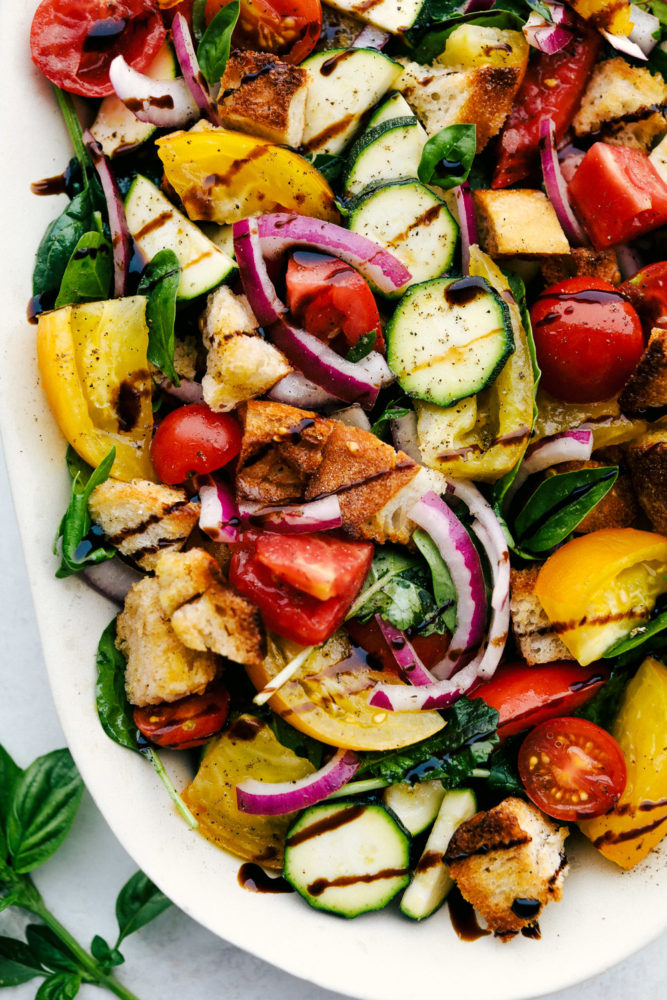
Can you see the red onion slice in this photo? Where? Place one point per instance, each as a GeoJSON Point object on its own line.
{"type": "Point", "coordinates": [297, 390]}
{"type": "Point", "coordinates": [463, 562]}
{"type": "Point", "coordinates": [411, 667]}
{"type": "Point", "coordinates": [193, 76]}
{"type": "Point", "coordinates": [555, 185]}
{"type": "Point", "coordinates": [219, 515]}
{"type": "Point", "coordinates": [261, 798]}
{"type": "Point", "coordinates": [281, 231]}
{"type": "Point", "coordinates": [319, 515]}
{"type": "Point", "coordinates": [547, 37]}
{"type": "Point", "coordinates": [405, 437]}
{"type": "Point", "coordinates": [467, 223]}
{"type": "Point", "coordinates": [372, 38]}
{"type": "Point", "coordinates": [112, 578]}
{"type": "Point", "coordinates": [624, 44]}
{"type": "Point", "coordinates": [121, 241]}
{"type": "Point", "coordinates": [352, 416]}
{"type": "Point", "coordinates": [187, 391]}
{"type": "Point", "coordinates": [472, 6]}
{"type": "Point", "coordinates": [566, 447]}
{"type": "Point", "coordinates": [257, 285]}
{"type": "Point", "coordinates": [164, 103]}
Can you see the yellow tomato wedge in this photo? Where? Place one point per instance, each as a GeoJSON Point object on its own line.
{"type": "Point", "coordinates": [612, 15]}
{"type": "Point", "coordinates": [639, 820]}
{"type": "Point", "coordinates": [92, 359]}
{"type": "Point", "coordinates": [327, 698]}
{"type": "Point", "coordinates": [597, 588]}
{"type": "Point", "coordinates": [605, 419]}
{"type": "Point", "coordinates": [247, 749]}
{"type": "Point", "coordinates": [222, 176]}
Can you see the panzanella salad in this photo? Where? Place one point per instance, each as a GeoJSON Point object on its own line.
{"type": "Point", "coordinates": [355, 324]}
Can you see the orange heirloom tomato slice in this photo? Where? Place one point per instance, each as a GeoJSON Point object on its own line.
{"type": "Point", "coordinates": [92, 360]}
{"type": "Point", "coordinates": [597, 588]}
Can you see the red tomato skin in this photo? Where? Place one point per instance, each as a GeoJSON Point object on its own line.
{"type": "Point", "coordinates": [290, 28]}
{"type": "Point", "coordinates": [60, 30]}
{"type": "Point", "coordinates": [429, 648]}
{"type": "Point", "coordinates": [328, 297]}
{"type": "Point", "coordinates": [320, 565]}
{"type": "Point", "coordinates": [617, 194]}
{"type": "Point", "coordinates": [588, 339]}
{"type": "Point", "coordinates": [526, 696]}
{"type": "Point", "coordinates": [647, 290]}
{"type": "Point", "coordinates": [285, 609]}
{"type": "Point", "coordinates": [194, 439]}
{"type": "Point", "coordinates": [547, 767]}
{"type": "Point", "coordinates": [187, 723]}
{"type": "Point", "coordinates": [570, 68]}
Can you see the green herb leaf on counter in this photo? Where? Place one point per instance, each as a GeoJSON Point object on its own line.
{"type": "Point", "coordinates": [50, 950]}
{"type": "Point", "coordinates": [139, 902]}
{"type": "Point", "coordinates": [363, 346]}
{"type": "Point", "coordinates": [76, 549]}
{"type": "Point", "coordinates": [108, 957]}
{"type": "Point", "coordinates": [89, 273]}
{"type": "Point", "coordinates": [59, 986]}
{"type": "Point", "coordinates": [159, 282]}
{"type": "Point", "coordinates": [17, 963]}
{"type": "Point", "coordinates": [456, 146]}
{"type": "Point", "coordinates": [392, 412]}
{"type": "Point", "coordinates": [213, 50]}
{"type": "Point", "coordinates": [398, 588]}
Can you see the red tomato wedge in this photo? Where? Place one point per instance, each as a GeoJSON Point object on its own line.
{"type": "Point", "coordinates": [189, 722]}
{"type": "Point", "coordinates": [572, 769]}
{"type": "Point", "coordinates": [318, 565]}
{"type": "Point", "coordinates": [74, 41]}
{"type": "Point", "coordinates": [552, 88]}
{"type": "Point", "coordinates": [194, 440]}
{"type": "Point", "coordinates": [328, 298]}
{"type": "Point", "coordinates": [525, 696]}
{"type": "Point", "coordinates": [617, 194]}
{"type": "Point", "coordinates": [290, 28]}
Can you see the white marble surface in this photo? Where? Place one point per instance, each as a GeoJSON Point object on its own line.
{"type": "Point", "coordinates": [174, 957]}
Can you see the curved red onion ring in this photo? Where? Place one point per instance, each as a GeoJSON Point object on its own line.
{"type": "Point", "coordinates": [411, 667]}
{"type": "Point", "coordinates": [219, 515]}
{"type": "Point", "coordinates": [257, 284]}
{"type": "Point", "coordinates": [555, 185]}
{"type": "Point", "coordinates": [193, 76]}
{"type": "Point", "coordinates": [121, 241]}
{"type": "Point", "coordinates": [467, 223]}
{"type": "Point", "coordinates": [318, 515]}
{"type": "Point", "coordinates": [624, 44]}
{"type": "Point", "coordinates": [263, 798]}
{"type": "Point", "coordinates": [472, 6]}
{"type": "Point", "coordinates": [549, 36]}
{"type": "Point", "coordinates": [297, 390]}
{"type": "Point", "coordinates": [372, 38]}
{"type": "Point", "coordinates": [112, 578]}
{"type": "Point", "coordinates": [164, 103]}
{"type": "Point", "coordinates": [567, 447]}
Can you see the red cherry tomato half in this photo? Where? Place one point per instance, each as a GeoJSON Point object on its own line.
{"type": "Point", "coordinates": [74, 41]}
{"type": "Point", "coordinates": [194, 439]}
{"type": "Point", "coordinates": [429, 648]}
{"type": "Point", "coordinates": [588, 339]}
{"type": "Point", "coordinates": [190, 722]}
{"type": "Point", "coordinates": [318, 565]}
{"type": "Point", "coordinates": [572, 769]}
{"type": "Point", "coordinates": [328, 297]}
{"type": "Point", "coordinates": [290, 28]}
{"type": "Point", "coordinates": [525, 696]}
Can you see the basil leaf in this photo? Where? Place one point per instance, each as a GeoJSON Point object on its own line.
{"type": "Point", "coordinates": [300, 743]}
{"type": "Point", "coordinates": [638, 636]}
{"type": "Point", "coordinates": [559, 504]}
{"type": "Point", "coordinates": [112, 707]}
{"type": "Point", "coordinates": [213, 51]}
{"type": "Point", "coordinates": [17, 963]}
{"type": "Point", "coordinates": [61, 986]}
{"type": "Point", "coordinates": [603, 707]}
{"type": "Point", "coordinates": [139, 902]}
{"type": "Point", "coordinates": [542, 9]}
{"type": "Point", "coordinates": [392, 412]}
{"type": "Point", "coordinates": [49, 949]}
{"type": "Point", "coordinates": [504, 772]}
{"type": "Point", "coordinates": [88, 274]}
{"type": "Point", "coordinates": [199, 19]}
{"type": "Point", "coordinates": [104, 955]}
{"type": "Point", "coordinates": [397, 587]}
{"type": "Point", "coordinates": [330, 165]}
{"type": "Point", "coordinates": [363, 346]}
{"type": "Point", "coordinates": [10, 774]}
{"type": "Point", "coordinates": [430, 42]}
{"type": "Point", "coordinates": [76, 549]}
{"type": "Point", "coordinates": [59, 243]}
{"type": "Point", "coordinates": [43, 807]}
{"type": "Point", "coordinates": [77, 466]}
{"type": "Point", "coordinates": [159, 282]}
{"type": "Point", "coordinates": [447, 156]}
{"type": "Point", "coordinates": [444, 590]}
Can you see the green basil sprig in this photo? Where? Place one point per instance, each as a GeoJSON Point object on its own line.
{"type": "Point", "coordinates": [363, 346]}
{"type": "Point", "coordinates": [214, 48]}
{"type": "Point", "coordinates": [447, 156]}
{"type": "Point", "coordinates": [159, 282]}
{"type": "Point", "coordinates": [89, 272]}
{"type": "Point", "coordinates": [392, 412]}
{"type": "Point", "coordinates": [76, 549]}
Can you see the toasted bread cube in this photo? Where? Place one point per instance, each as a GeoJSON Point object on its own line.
{"type": "Point", "coordinates": [647, 457]}
{"type": "Point", "coordinates": [510, 853]}
{"type": "Point", "coordinates": [205, 612]}
{"type": "Point", "coordinates": [618, 509]}
{"type": "Point", "coordinates": [639, 135]}
{"type": "Point", "coordinates": [647, 386]}
{"type": "Point", "coordinates": [518, 222]}
{"type": "Point", "coordinates": [537, 641]}
{"type": "Point", "coordinates": [615, 90]}
{"type": "Point", "coordinates": [159, 667]}
{"type": "Point", "coordinates": [581, 262]}
{"type": "Point", "coordinates": [264, 96]}
{"type": "Point", "coordinates": [142, 519]}
{"type": "Point", "coordinates": [391, 522]}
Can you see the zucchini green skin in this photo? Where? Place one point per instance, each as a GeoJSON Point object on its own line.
{"type": "Point", "coordinates": [354, 165]}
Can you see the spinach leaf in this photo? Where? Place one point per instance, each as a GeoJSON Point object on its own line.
{"type": "Point", "coordinates": [50, 950]}
{"type": "Point", "coordinates": [76, 550]}
{"type": "Point", "coordinates": [450, 755]}
{"type": "Point", "coordinates": [559, 504]}
{"type": "Point", "coordinates": [104, 954]}
{"type": "Point", "coordinates": [603, 707]}
{"type": "Point", "coordinates": [88, 275]}
{"type": "Point", "coordinates": [59, 243]}
{"type": "Point", "coordinates": [43, 807]}
{"type": "Point", "coordinates": [213, 50]}
{"type": "Point", "coordinates": [430, 42]}
{"type": "Point", "coordinates": [61, 986]}
{"type": "Point", "coordinates": [17, 963]}
{"type": "Point", "coordinates": [447, 156]}
{"type": "Point", "coordinates": [444, 590]}
{"type": "Point", "coordinates": [638, 636]}
{"type": "Point", "coordinates": [160, 282]}
{"type": "Point", "coordinates": [112, 707]}
{"type": "Point", "coordinates": [300, 743]}
{"type": "Point", "coordinates": [392, 412]}
{"type": "Point", "coordinates": [398, 588]}
{"type": "Point", "coordinates": [363, 346]}
{"type": "Point", "coordinates": [139, 902]}
{"type": "Point", "coordinates": [503, 770]}
{"type": "Point", "coordinates": [330, 165]}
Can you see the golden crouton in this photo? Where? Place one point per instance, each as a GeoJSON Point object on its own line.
{"type": "Point", "coordinates": [159, 667]}
{"type": "Point", "coordinates": [518, 222]}
{"type": "Point", "coordinates": [391, 522]}
{"type": "Point", "coordinates": [647, 457]}
{"type": "Point", "coordinates": [581, 262]}
{"type": "Point", "coordinates": [618, 509]}
{"type": "Point", "coordinates": [508, 863]}
{"type": "Point", "coordinates": [264, 96]}
{"type": "Point", "coordinates": [207, 613]}
{"type": "Point", "coordinates": [616, 90]}
{"type": "Point", "coordinates": [441, 96]}
{"type": "Point", "coordinates": [362, 471]}
{"type": "Point", "coordinates": [532, 629]}
{"type": "Point", "coordinates": [647, 386]}
{"type": "Point", "coordinates": [142, 519]}
{"type": "Point", "coordinates": [636, 134]}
